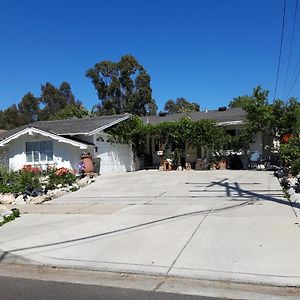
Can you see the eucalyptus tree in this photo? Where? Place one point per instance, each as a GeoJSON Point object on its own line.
{"type": "Point", "coordinates": [55, 99]}
{"type": "Point", "coordinates": [181, 105]}
{"type": "Point", "coordinates": [122, 86]}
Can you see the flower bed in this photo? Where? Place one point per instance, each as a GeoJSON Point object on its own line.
{"type": "Point", "coordinates": [33, 185]}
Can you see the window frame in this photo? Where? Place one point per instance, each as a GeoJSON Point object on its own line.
{"type": "Point", "coordinates": [37, 152]}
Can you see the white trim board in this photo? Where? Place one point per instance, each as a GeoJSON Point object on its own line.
{"type": "Point", "coordinates": [32, 130]}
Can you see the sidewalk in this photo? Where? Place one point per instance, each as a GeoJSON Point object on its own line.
{"type": "Point", "coordinates": [220, 225]}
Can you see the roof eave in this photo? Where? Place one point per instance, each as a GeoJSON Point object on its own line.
{"type": "Point", "coordinates": [109, 125]}
{"type": "Point", "coordinates": [32, 130]}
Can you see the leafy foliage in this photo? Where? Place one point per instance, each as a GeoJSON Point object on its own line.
{"type": "Point", "coordinates": [15, 214]}
{"type": "Point", "coordinates": [274, 119]}
{"type": "Point", "coordinates": [295, 169]}
{"type": "Point", "coordinates": [10, 118]}
{"type": "Point", "coordinates": [123, 86]}
{"type": "Point", "coordinates": [56, 99]}
{"type": "Point", "coordinates": [29, 108]}
{"type": "Point", "coordinates": [18, 182]}
{"type": "Point", "coordinates": [62, 176]}
{"type": "Point", "coordinates": [29, 179]}
{"type": "Point", "coordinates": [200, 133]}
{"type": "Point", "coordinates": [132, 131]}
{"type": "Point", "coordinates": [290, 151]}
{"type": "Point", "coordinates": [71, 111]}
{"type": "Point", "coordinates": [181, 105]}
{"type": "Point", "coordinates": [54, 103]}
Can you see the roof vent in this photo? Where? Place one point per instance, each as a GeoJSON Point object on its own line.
{"type": "Point", "coordinates": [222, 108]}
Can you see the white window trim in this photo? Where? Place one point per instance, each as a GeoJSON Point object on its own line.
{"type": "Point", "coordinates": [39, 162]}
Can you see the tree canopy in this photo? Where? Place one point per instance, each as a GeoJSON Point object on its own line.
{"type": "Point", "coordinates": [54, 103]}
{"type": "Point", "coordinates": [275, 118]}
{"type": "Point", "coordinates": [122, 86]}
{"type": "Point", "coordinates": [56, 99]}
{"type": "Point", "coordinates": [180, 105]}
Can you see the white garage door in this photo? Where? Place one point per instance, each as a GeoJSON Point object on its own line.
{"type": "Point", "coordinates": [115, 158]}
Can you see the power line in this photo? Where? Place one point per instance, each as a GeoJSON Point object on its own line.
{"type": "Point", "coordinates": [280, 48]}
{"type": "Point", "coordinates": [291, 48]}
{"type": "Point", "coordinates": [294, 78]}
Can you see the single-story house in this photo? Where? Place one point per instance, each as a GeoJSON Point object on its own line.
{"type": "Point", "coordinates": [232, 119]}
{"type": "Point", "coordinates": [60, 143]}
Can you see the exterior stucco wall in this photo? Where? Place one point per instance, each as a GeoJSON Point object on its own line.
{"type": "Point", "coordinates": [258, 144]}
{"type": "Point", "coordinates": [4, 159]}
{"type": "Point", "coordinates": [114, 158]}
{"type": "Point", "coordinates": [64, 155]}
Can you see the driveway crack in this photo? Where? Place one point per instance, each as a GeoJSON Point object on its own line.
{"type": "Point", "coordinates": [188, 241]}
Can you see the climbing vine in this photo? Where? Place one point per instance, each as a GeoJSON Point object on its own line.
{"type": "Point", "coordinates": [199, 133]}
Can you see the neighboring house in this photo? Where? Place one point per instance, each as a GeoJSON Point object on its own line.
{"type": "Point", "coordinates": [232, 119]}
{"type": "Point", "coordinates": [60, 143]}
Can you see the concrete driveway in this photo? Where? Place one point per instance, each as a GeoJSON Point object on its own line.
{"type": "Point", "coordinates": [219, 225]}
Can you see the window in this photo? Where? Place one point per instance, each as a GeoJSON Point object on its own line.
{"type": "Point", "coordinates": [39, 151]}
{"type": "Point", "coordinates": [231, 132]}
{"type": "Point", "coordinates": [156, 144]}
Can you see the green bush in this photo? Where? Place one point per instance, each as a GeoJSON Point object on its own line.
{"type": "Point", "coordinates": [29, 178]}
{"type": "Point", "coordinates": [295, 169]}
{"type": "Point", "coordinates": [26, 180]}
{"type": "Point", "coordinates": [62, 176]}
{"type": "Point", "coordinates": [7, 180]}
{"type": "Point", "coordinates": [290, 151]}
{"type": "Point", "coordinates": [18, 182]}
{"type": "Point", "coordinates": [15, 214]}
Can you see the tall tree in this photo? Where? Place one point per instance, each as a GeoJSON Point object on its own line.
{"type": "Point", "coordinates": [29, 108]}
{"type": "Point", "coordinates": [122, 86]}
{"type": "Point", "coordinates": [181, 105]}
{"type": "Point", "coordinates": [71, 111]}
{"type": "Point", "coordinates": [241, 101]}
{"type": "Point", "coordinates": [55, 99]}
{"type": "Point", "coordinates": [10, 118]}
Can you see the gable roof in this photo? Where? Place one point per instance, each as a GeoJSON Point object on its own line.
{"type": "Point", "coordinates": [228, 116]}
{"type": "Point", "coordinates": [60, 139]}
{"type": "Point", "coordinates": [86, 126]}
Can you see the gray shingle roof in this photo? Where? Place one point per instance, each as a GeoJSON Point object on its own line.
{"type": "Point", "coordinates": [68, 126]}
{"type": "Point", "coordinates": [229, 115]}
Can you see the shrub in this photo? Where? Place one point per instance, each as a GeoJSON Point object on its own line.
{"type": "Point", "coordinates": [295, 169]}
{"type": "Point", "coordinates": [290, 151]}
{"type": "Point", "coordinates": [19, 182]}
{"type": "Point", "coordinates": [27, 180]}
{"type": "Point", "coordinates": [7, 180]}
{"type": "Point", "coordinates": [15, 214]}
{"type": "Point", "coordinates": [61, 176]}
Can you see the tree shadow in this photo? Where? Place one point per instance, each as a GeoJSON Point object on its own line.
{"type": "Point", "coordinates": [243, 193]}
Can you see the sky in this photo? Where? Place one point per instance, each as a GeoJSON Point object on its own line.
{"type": "Point", "coordinates": [206, 51]}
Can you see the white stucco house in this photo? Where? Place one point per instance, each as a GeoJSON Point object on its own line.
{"type": "Point", "coordinates": [60, 143]}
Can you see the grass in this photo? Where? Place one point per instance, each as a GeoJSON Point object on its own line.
{"type": "Point", "coordinates": [14, 215]}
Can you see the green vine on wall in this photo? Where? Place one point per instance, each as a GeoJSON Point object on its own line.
{"type": "Point", "coordinates": [195, 133]}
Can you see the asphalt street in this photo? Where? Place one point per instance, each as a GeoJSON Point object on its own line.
{"type": "Point", "coordinates": [28, 289]}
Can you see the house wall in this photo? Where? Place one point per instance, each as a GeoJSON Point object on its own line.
{"type": "Point", "coordinates": [113, 157]}
{"type": "Point", "coordinates": [258, 144]}
{"type": "Point", "coordinates": [64, 155]}
{"type": "Point", "coordinates": [4, 156]}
